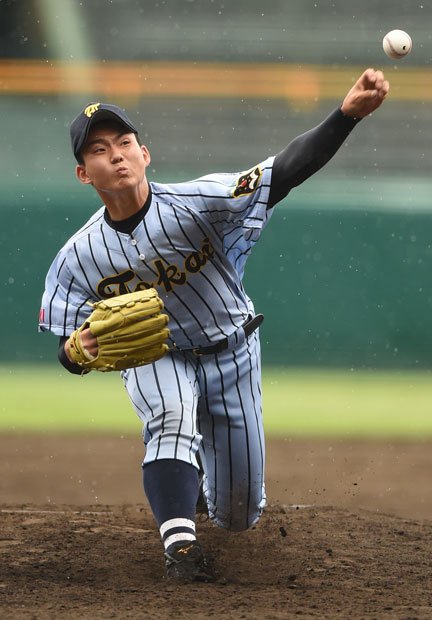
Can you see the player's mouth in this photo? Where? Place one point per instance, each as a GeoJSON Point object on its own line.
{"type": "Point", "coordinates": [122, 171]}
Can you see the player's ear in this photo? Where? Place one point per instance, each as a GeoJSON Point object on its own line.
{"type": "Point", "coordinates": [146, 154]}
{"type": "Point", "coordinates": [81, 174]}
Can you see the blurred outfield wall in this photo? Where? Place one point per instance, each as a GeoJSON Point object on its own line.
{"type": "Point", "coordinates": [343, 271]}
{"type": "Point", "coordinates": [337, 287]}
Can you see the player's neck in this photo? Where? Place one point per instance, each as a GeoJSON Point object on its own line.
{"type": "Point", "coordinates": [122, 205]}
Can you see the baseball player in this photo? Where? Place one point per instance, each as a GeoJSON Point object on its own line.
{"type": "Point", "coordinates": [199, 399]}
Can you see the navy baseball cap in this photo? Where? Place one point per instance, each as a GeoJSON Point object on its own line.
{"type": "Point", "coordinates": [92, 113]}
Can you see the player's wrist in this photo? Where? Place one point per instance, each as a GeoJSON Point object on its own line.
{"type": "Point", "coordinates": [349, 116]}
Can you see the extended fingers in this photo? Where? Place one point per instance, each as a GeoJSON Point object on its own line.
{"type": "Point", "coordinates": [374, 80]}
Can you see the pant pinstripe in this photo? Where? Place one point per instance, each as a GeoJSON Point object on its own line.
{"type": "Point", "coordinates": [211, 404]}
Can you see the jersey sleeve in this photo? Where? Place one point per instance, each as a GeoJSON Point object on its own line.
{"type": "Point", "coordinates": [234, 205]}
{"type": "Point", "coordinates": [227, 200]}
{"type": "Point", "coordinates": [64, 304]}
{"type": "Point", "coordinates": [238, 199]}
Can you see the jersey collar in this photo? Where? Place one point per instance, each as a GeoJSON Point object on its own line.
{"type": "Point", "coordinates": [129, 224]}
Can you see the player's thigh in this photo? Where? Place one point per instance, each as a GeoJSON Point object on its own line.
{"type": "Point", "coordinates": [165, 397]}
{"type": "Point", "coordinates": [230, 421]}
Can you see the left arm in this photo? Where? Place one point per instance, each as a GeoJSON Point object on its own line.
{"type": "Point", "coordinates": [89, 342]}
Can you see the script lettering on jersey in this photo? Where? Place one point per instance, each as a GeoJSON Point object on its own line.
{"type": "Point", "coordinates": [118, 284]}
{"type": "Point", "coordinates": [168, 274]}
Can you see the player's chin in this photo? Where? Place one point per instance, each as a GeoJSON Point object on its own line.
{"type": "Point", "coordinates": [118, 182]}
{"type": "Point", "coordinates": [125, 181]}
{"type": "Point", "coordinates": [114, 185]}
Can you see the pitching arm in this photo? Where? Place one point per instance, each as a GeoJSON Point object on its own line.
{"type": "Point", "coordinates": [307, 153]}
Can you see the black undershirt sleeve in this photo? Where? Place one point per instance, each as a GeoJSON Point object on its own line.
{"type": "Point", "coordinates": [75, 369]}
{"type": "Point", "coordinates": [307, 153]}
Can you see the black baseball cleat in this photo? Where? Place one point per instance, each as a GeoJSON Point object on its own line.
{"type": "Point", "coordinates": [185, 562]}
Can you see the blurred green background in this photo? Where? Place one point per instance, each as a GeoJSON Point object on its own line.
{"type": "Point", "coordinates": [343, 271]}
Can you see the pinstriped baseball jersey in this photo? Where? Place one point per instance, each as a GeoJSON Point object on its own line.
{"type": "Point", "coordinates": [191, 245]}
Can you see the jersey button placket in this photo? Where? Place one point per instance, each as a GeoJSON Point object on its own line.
{"type": "Point", "coordinates": [141, 256]}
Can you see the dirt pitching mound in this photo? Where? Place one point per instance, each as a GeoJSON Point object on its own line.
{"type": "Point", "coordinates": [97, 561]}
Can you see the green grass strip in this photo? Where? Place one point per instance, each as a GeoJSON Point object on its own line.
{"type": "Point", "coordinates": [305, 403]}
{"type": "Point", "coordinates": [348, 403]}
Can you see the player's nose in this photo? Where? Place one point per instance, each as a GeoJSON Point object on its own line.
{"type": "Point", "coordinates": [116, 155]}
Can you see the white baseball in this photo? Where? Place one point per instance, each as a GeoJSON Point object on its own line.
{"type": "Point", "coordinates": [397, 44]}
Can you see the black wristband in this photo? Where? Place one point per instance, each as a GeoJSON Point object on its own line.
{"type": "Point", "coordinates": [72, 367]}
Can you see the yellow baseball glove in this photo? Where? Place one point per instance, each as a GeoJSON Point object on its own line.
{"type": "Point", "coordinates": [130, 330]}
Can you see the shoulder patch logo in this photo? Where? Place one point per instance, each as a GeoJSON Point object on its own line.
{"type": "Point", "coordinates": [91, 109]}
{"type": "Point", "coordinates": [247, 182]}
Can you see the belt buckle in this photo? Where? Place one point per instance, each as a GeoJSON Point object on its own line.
{"type": "Point", "coordinates": [197, 352]}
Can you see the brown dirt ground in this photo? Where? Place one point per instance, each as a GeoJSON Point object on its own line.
{"type": "Point", "coordinates": [347, 534]}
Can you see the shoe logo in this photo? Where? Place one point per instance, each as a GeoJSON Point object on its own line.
{"type": "Point", "coordinates": [185, 550]}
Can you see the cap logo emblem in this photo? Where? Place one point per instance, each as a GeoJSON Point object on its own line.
{"type": "Point", "coordinates": [91, 109]}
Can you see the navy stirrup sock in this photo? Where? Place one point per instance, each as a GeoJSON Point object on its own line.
{"type": "Point", "coordinates": [172, 487]}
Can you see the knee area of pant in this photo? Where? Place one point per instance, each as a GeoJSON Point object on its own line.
{"type": "Point", "coordinates": [235, 523]}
